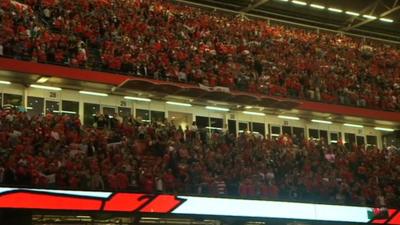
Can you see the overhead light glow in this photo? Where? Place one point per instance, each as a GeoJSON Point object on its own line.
{"type": "Point", "coordinates": [214, 128]}
{"type": "Point", "coordinates": [384, 129]}
{"type": "Point", "coordinates": [254, 113]}
{"type": "Point", "coordinates": [93, 93]}
{"type": "Point", "coordinates": [248, 107]}
{"type": "Point", "coordinates": [50, 88]}
{"type": "Point", "coordinates": [42, 80]}
{"type": "Point", "coordinates": [334, 141]}
{"type": "Point", "coordinates": [316, 6]}
{"type": "Point", "coordinates": [386, 20]}
{"type": "Point", "coordinates": [5, 82]}
{"type": "Point", "coordinates": [64, 111]}
{"type": "Point", "coordinates": [299, 2]}
{"type": "Point", "coordinates": [83, 217]}
{"type": "Point", "coordinates": [179, 104]}
{"type": "Point", "coordinates": [335, 10]}
{"type": "Point", "coordinates": [352, 13]}
{"type": "Point", "coordinates": [353, 125]}
{"type": "Point", "coordinates": [370, 17]}
{"type": "Point", "coordinates": [150, 218]}
{"type": "Point", "coordinates": [289, 117]}
{"type": "Point", "coordinates": [321, 121]}
{"type": "Point", "coordinates": [217, 108]}
{"type": "Point", "coordinates": [138, 99]}
{"type": "Point", "coordinates": [283, 0]}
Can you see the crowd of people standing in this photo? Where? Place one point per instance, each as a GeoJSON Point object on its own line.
{"type": "Point", "coordinates": [56, 151]}
{"type": "Point", "coordinates": [166, 40]}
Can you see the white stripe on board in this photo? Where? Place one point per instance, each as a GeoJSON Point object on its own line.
{"type": "Point", "coordinates": [96, 194]}
{"type": "Point", "coordinates": [271, 209]}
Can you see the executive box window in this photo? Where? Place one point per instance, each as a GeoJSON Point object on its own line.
{"type": "Point", "coordinates": [216, 124]}
{"type": "Point", "coordinates": [360, 140]}
{"type": "Point", "coordinates": [52, 106]}
{"type": "Point", "coordinates": [323, 134]}
{"type": "Point", "coordinates": [299, 132]}
{"type": "Point", "coordinates": [313, 133]}
{"type": "Point", "coordinates": [286, 130]}
{"type": "Point", "coordinates": [232, 127]}
{"type": "Point", "coordinates": [334, 138]}
{"type": "Point", "coordinates": [13, 100]}
{"type": "Point", "coordinates": [109, 111]}
{"type": "Point", "coordinates": [318, 134]}
{"type": "Point", "coordinates": [243, 126]}
{"type": "Point", "coordinates": [201, 122]}
{"type": "Point", "coordinates": [124, 112]}
{"type": "Point", "coordinates": [157, 116]}
{"type": "Point", "coordinates": [298, 135]}
{"type": "Point", "coordinates": [259, 128]}
{"type": "Point", "coordinates": [372, 140]}
{"type": "Point", "coordinates": [350, 138]}
{"type": "Point", "coordinates": [35, 106]}
{"type": "Point", "coordinates": [211, 124]}
{"type": "Point", "coordinates": [89, 112]}
{"type": "Point", "coordinates": [147, 116]}
{"type": "Point", "coordinates": [143, 115]}
{"type": "Point", "coordinates": [70, 107]}
{"type": "Point", "coordinates": [275, 131]}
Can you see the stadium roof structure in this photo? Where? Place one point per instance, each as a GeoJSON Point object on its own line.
{"type": "Point", "coordinates": [372, 18]}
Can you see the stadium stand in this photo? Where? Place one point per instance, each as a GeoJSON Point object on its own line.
{"type": "Point", "coordinates": [116, 153]}
{"type": "Point", "coordinates": [164, 40]}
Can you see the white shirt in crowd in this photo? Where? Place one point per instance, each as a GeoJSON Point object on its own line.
{"type": "Point", "coordinates": [159, 184]}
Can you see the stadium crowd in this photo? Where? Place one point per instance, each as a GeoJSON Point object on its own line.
{"type": "Point", "coordinates": [125, 154]}
{"type": "Point", "coordinates": [159, 39]}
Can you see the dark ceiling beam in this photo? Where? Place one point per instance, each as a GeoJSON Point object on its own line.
{"type": "Point", "coordinates": [395, 3]}
{"type": "Point", "coordinates": [387, 12]}
{"type": "Point", "coordinates": [254, 6]}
